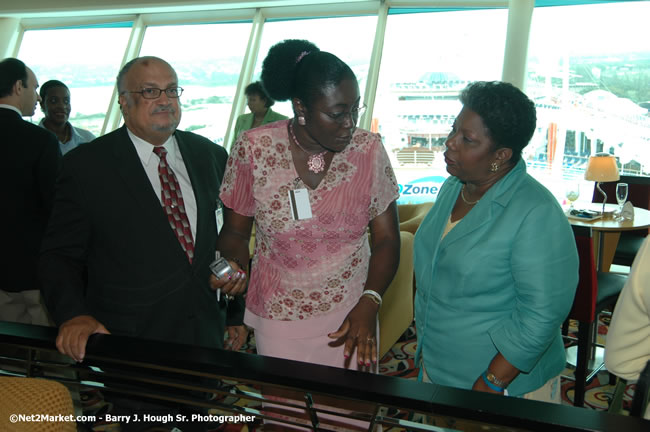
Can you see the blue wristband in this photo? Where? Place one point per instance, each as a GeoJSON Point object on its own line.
{"type": "Point", "coordinates": [491, 385]}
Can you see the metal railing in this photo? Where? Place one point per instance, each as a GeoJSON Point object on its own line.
{"type": "Point", "coordinates": [240, 383]}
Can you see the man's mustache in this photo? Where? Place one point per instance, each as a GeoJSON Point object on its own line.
{"type": "Point", "coordinates": [168, 108]}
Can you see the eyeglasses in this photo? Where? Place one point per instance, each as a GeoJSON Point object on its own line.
{"type": "Point", "coordinates": [341, 116]}
{"type": "Point", "coordinates": [154, 93]}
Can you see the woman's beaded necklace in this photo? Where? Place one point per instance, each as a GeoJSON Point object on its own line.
{"type": "Point", "coordinates": [316, 161]}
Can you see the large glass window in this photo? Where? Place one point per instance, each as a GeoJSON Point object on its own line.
{"type": "Point", "coordinates": [208, 60]}
{"type": "Point", "coordinates": [82, 60]}
{"type": "Point", "coordinates": [428, 59]}
{"type": "Point", "coordinates": [353, 45]}
{"type": "Point", "coordinates": [589, 74]}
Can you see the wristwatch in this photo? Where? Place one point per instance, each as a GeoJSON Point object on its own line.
{"type": "Point", "coordinates": [494, 380]}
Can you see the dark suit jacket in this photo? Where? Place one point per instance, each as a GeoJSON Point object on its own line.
{"type": "Point", "coordinates": [107, 216]}
{"type": "Point", "coordinates": [32, 159]}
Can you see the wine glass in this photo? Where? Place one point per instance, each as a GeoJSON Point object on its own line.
{"type": "Point", "coordinates": [572, 193]}
{"type": "Point", "coordinates": [621, 197]}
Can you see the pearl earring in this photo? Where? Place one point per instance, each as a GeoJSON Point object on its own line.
{"type": "Point", "coordinates": [301, 121]}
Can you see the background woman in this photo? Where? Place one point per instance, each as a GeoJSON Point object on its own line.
{"type": "Point", "coordinates": [313, 185]}
{"type": "Point", "coordinates": [55, 103]}
{"type": "Point", "coordinates": [495, 259]}
{"type": "Point", "coordinates": [260, 105]}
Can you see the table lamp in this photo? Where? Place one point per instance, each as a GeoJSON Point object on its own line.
{"type": "Point", "coordinates": [602, 168]}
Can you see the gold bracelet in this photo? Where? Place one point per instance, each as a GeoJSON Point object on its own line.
{"type": "Point", "coordinates": [494, 380]}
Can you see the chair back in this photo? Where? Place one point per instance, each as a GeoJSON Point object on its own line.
{"type": "Point", "coordinates": [638, 191]}
{"type": "Point", "coordinates": [411, 215]}
{"type": "Point", "coordinates": [641, 393]}
{"type": "Point", "coordinates": [584, 303]}
{"type": "Point", "coordinates": [396, 312]}
{"type": "Point", "coordinates": [29, 396]}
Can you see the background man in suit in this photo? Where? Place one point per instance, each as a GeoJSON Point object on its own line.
{"type": "Point", "coordinates": [28, 176]}
{"type": "Point", "coordinates": [110, 216]}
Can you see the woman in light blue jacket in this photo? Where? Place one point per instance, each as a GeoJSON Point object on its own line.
{"type": "Point", "coordinates": [495, 259]}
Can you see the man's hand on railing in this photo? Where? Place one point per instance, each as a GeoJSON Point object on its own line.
{"type": "Point", "coordinates": [74, 334]}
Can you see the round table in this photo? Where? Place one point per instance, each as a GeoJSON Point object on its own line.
{"type": "Point", "coordinates": [607, 231]}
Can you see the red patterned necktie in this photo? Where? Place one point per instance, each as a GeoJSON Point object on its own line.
{"type": "Point", "coordinates": [172, 201]}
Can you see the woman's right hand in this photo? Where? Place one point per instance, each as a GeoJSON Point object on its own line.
{"type": "Point", "coordinates": [231, 284]}
{"type": "Point", "coordinates": [358, 331]}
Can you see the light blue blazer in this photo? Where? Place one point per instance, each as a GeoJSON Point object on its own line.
{"type": "Point", "coordinates": [502, 280]}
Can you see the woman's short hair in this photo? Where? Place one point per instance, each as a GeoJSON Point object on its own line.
{"type": "Point", "coordinates": [256, 88]}
{"type": "Point", "coordinates": [296, 68]}
{"type": "Point", "coordinates": [508, 114]}
{"type": "Point", "coordinates": [48, 85]}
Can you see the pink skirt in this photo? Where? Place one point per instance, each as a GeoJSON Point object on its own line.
{"type": "Point", "coordinates": [306, 341]}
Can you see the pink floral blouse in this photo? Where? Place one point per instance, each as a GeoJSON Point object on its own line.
{"type": "Point", "coordinates": [307, 268]}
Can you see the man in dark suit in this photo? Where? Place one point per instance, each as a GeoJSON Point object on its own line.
{"type": "Point", "coordinates": [32, 159]}
{"type": "Point", "coordinates": [112, 214]}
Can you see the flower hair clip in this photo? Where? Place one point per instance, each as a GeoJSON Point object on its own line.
{"type": "Point", "coordinates": [302, 55]}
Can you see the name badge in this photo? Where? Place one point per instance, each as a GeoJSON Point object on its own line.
{"type": "Point", "coordinates": [219, 216]}
{"type": "Point", "coordinates": [299, 203]}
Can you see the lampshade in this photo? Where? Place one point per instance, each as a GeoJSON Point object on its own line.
{"type": "Point", "coordinates": [602, 168]}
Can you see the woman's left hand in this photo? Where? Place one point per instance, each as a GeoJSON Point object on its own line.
{"type": "Point", "coordinates": [230, 285]}
{"type": "Point", "coordinates": [237, 336]}
{"type": "Point", "coordinates": [358, 329]}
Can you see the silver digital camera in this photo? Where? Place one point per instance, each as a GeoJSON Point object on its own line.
{"type": "Point", "coordinates": [220, 267]}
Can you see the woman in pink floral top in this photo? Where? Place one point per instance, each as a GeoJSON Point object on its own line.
{"type": "Point", "coordinates": [312, 185]}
